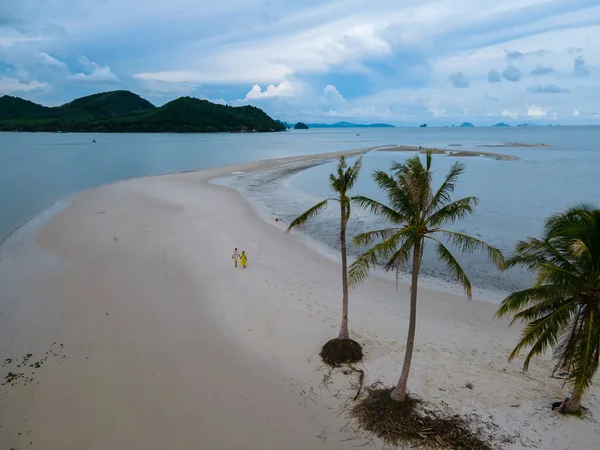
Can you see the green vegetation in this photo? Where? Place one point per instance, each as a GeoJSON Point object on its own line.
{"type": "Point", "coordinates": [419, 214]}
{"type": "Point", "coordinates": [562, 309]}
{"type": "Point", "coordinates": [343, 349]}
{"type": "Point", "coordinates": [126, 112]}
{"type": "Point", "coordinates": [300, 126]}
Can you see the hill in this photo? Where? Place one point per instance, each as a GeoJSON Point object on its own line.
{"type": "Point", "coordinates": [466, 125]}
{"type": "Point", "coordinates": [17, 107]}
{"type": "Point", "coordinates": [105, 105]}
{"type": "Point", "coordinates": [126, 112]}
{"type": "Point", "coordinates": [350, 125]}
{"type": "Point", "coordinates": [301, 126]}
{"type": "Point", "coordinates": [501, 124]}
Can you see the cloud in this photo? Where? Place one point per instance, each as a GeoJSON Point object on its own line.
{"type": "Point", "coordinates": [541, 70]}
{"type": "Point", "coordinates": [494, 76]}
{"type": "Point", "coordinates": [511, 114]}
{"type": "Point", "coordinates": [93, 73]}
{"type": "Point", "coordinates": [512, 73]}
{"type": "Point", "coordinates": [394, 60]}
{"type": "Point", "coordinates": [575, 113]}
{"type": "Point", "coordinates": [100, 75]}
{"type": "Point", "coordinates": [516, 55]}
{"type": "Point", "coordinates": [580, 68]}
{"type": "Point", "coordinates": [511, 56]}
{"type": "Point", "coordinates": [535, 112]}
{"type": "Point", "coordinates": [458, 80]}
{"type": "Point", "coordinates": [332, 95]}
{"type": "Point", "coordinates": [49, 61]}
{"type": "Point", "coordinates": [14, 85]}
{"type": "Point", "coordinates": [550, 89]}
{"type": "Point", "coordinates": [283, 89]}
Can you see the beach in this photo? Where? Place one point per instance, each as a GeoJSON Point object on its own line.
{"type": "Point", "coordinates": [133, 329]}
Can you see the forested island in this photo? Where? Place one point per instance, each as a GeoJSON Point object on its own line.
{"type": "Point", "coordinates": [126, 112]}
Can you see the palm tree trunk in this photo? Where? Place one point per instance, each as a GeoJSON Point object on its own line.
{"type": "Point", "coordinates": [344, 334]}
{"type": "Point", "coordinates": [399, 393]}
{"type": "Point", "coordinates": [573, 404]}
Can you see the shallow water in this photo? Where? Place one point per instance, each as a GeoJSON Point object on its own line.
{"type": "Point", "coordinates": [39, 169]}
{"type": "Point", "coordinates": [515, 196]}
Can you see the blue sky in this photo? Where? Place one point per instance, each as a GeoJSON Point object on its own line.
{"type": "Point", "coordinates": [401, 62]}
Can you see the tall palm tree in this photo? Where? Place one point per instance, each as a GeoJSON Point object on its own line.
{"type": "Point", "coordinates": [419, 214]}
{"type": "Point", "coordinates": [562, 308]}
{"type": "Point", "coordinates": [340, 183]}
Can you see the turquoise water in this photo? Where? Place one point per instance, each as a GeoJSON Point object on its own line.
{"type": "Point", "coordinates": [515, 196]}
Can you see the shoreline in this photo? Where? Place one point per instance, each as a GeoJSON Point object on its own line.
{"type": "Point", "coordinates": [166, 345]}
{"type": "Point", "coordinates": [455, 153]}
{"type": "Point", "coordinates": [431, 281]}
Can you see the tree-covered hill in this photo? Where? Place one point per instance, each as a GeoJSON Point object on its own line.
{"type": "Point", "coordinates": [123, 112]}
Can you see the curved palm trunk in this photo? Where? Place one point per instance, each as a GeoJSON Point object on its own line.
{"type": "Point", "coordinates": [399, 393]}
{"type": "Point", "coordinates": [344, 334]}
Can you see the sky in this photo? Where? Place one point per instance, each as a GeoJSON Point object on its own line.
{"type": "Point", "coordinates": [400, 62]}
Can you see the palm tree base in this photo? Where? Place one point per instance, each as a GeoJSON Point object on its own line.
{"type": "Point", "coordinates": [410, 423]}
{"type": "Point", "coordinates": [341, 351]}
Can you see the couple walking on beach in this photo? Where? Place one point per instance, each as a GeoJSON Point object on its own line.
{"type": "Point", "coordinates": [242, 258]}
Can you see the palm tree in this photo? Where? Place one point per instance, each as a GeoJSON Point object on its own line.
{"type": "Point", "coordinates": [340, 183]}
{"type": "Point", "coordinates": [562, 308]}
{"type": "Point", "coordinates": [418, 214]}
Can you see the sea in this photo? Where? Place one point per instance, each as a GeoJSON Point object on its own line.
{"type": "Point", "coordinates": [37, 170]}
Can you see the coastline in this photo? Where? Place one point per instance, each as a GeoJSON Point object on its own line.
{"type": "Point", "coordinates": [456, 153]}
{"type": "Point", "coordinates": [166, 345]}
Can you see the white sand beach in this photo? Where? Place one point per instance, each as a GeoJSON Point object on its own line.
{"type": "Point", "coordinates": [148, 338]}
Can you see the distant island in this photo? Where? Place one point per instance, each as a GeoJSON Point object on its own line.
{"type": "Point", "coordinates": [301, 126]}
{"type": "Point", "coordinates": [423, 125]}
{"type": "Point", "coordinates": [466, 125]}
{"type": "Point", "coordinates": [501, 124]}
{"type": "Point", "coordinates": [126, 112]}
{"type": "Point", "coordinates": [344, 125]}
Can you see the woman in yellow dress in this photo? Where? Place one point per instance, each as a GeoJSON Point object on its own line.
{"type": "Point", "coordinates": [243, 259]}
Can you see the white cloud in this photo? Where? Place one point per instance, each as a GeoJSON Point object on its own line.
{"type": "Point", "coordinates": [283, 89]}
{"type": "Point", "coordinates": [401, 55]}
{"type": "Point", "coordinates": [100, 75]}
{"type": "Point", "coordinates": [50, 61]}
{"type": "Point", "coordinates": [575, 113]}
{"type": "Point", "coordinates": [511, 114]}
{"type": "Point", "coordinates": [332, 96]}
{"type": "Point", "coordinates": [535, 112]}
{"type": "Point", "coordinates": [12, 85]}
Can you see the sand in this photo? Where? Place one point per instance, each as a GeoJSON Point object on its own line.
{"type": "Point", "coordinates": [455, 153]}
{"type": "Point", "coordinates": [517, 144]}
{"type": "Point", "coordinates": [156, 341]}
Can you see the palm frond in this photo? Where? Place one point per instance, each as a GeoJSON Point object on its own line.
{"type": "Point", "coordinates": [584, 355]}
{"type": "Point", "coordinates": [442, 195]}
{"type": "Point", "coordinates": [542, 333]}
{"type": "Point", "coordinates": [378, 208]}
{"type": "Point", "coordinates": [397, 195]}
{"type": "Point", "coordinates": [531, 303]}
{"type": "Point", "coordinates": [309, 214]}
{"type": "Point", "coordinates": [468, 244]}
{"type": "Point", "coordinates": [381, 251]}
{"type": "Point", "coordinates": [352, 173]}
{"type": "Point", "coordinates": [532, 252]}
{"type": "Point", "coordinates": [452, 212]}
{"type": "Point", "coordinates": [369, 237]}
{"type": "Point", "coordinates": [453, 265]}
